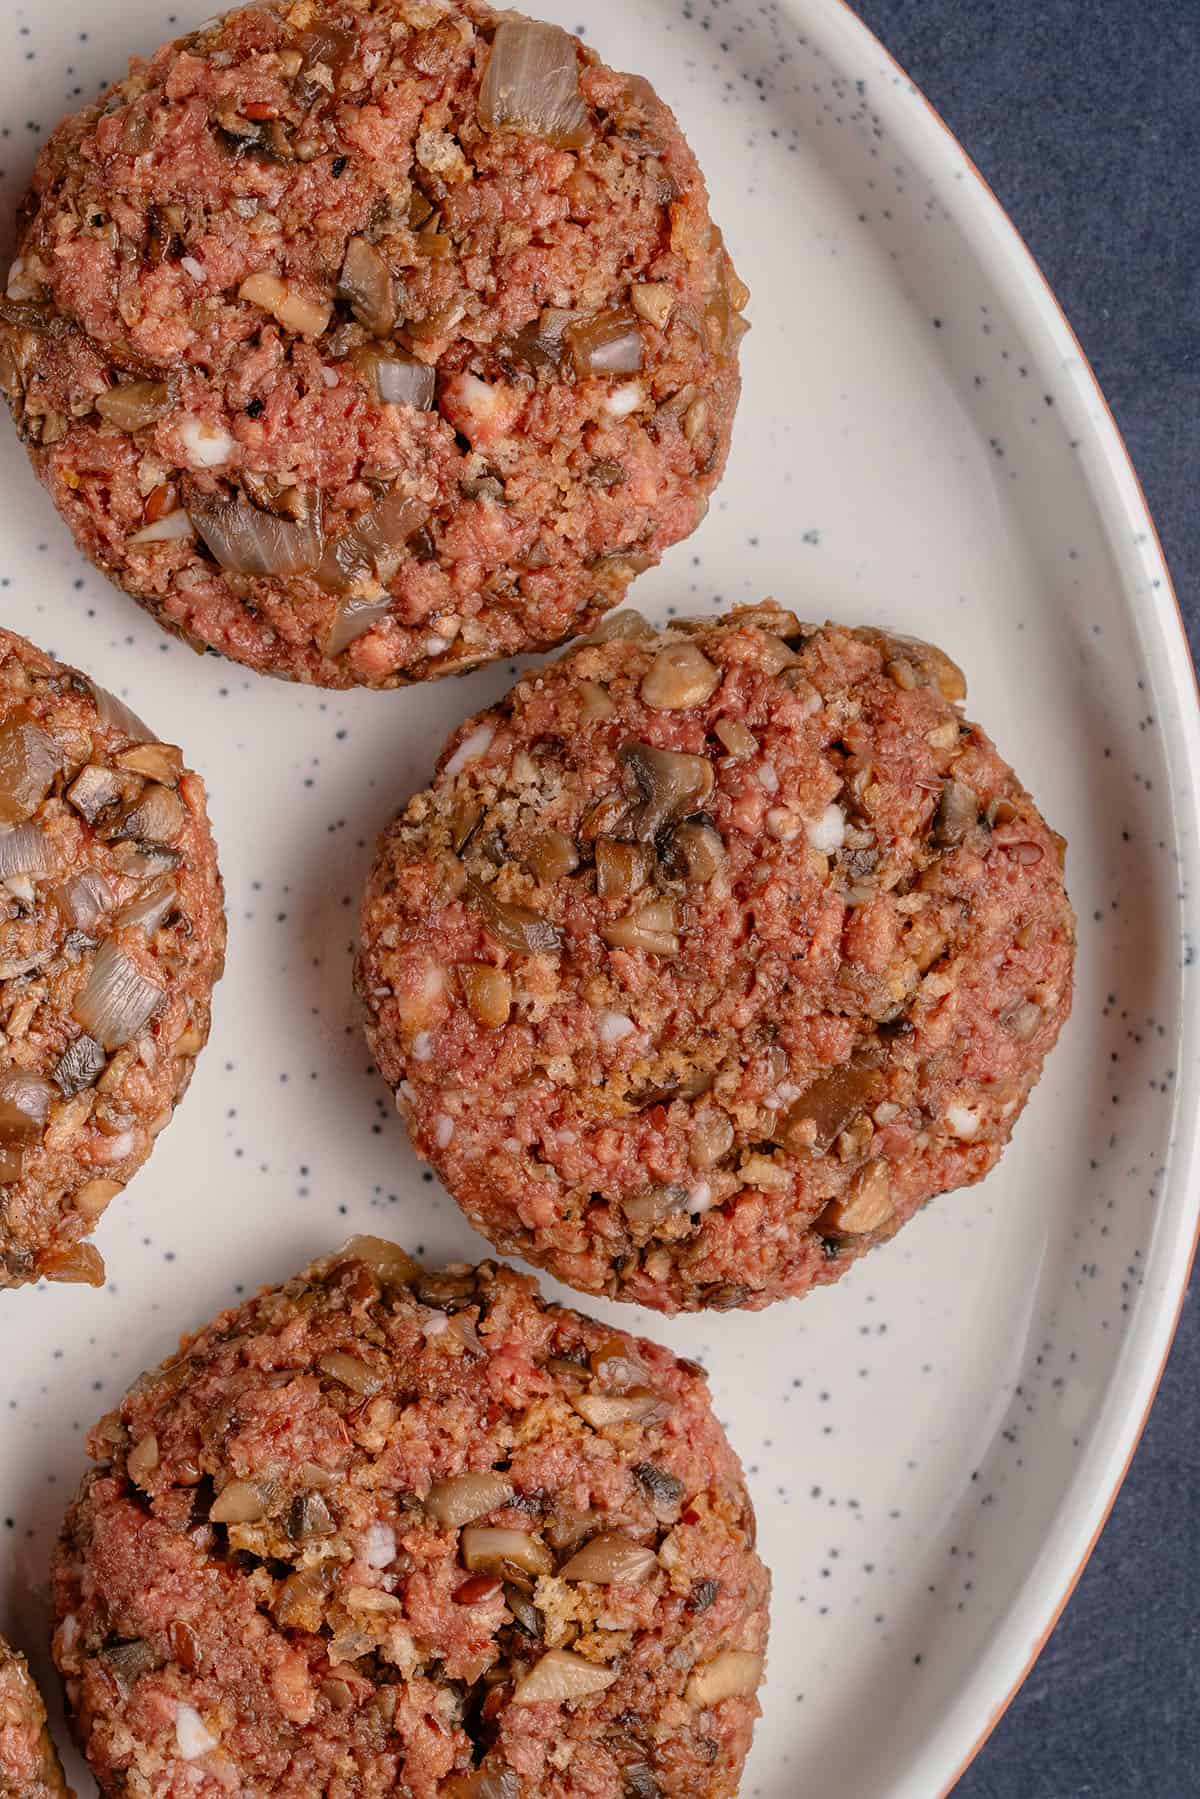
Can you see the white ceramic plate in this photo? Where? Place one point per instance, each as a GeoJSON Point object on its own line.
{"type": "Point", "coordinates": [934, 1443]}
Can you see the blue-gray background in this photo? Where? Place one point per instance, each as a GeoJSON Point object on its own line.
{"type": "Point", "coordinates": [1083, 116]}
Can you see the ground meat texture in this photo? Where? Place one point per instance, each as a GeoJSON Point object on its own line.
{"type": "Point", "coordinates": [366, 343]}
{"type": "Point", "coordinates": [390, 1531]}
{"type": "Point", "coordinates": [710, 956]}
{"type": "Point", "coordinates": [111, 937]}
{"type": "Point", "coordinates": [29, 1764]}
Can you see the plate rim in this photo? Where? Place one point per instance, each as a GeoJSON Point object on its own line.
{"type": "Point", "coordinates": [1023, 1629]}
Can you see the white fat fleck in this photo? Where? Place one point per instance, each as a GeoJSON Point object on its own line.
{"type": "Point", "coordinates": [700, 1198]}
{"type": "Point", "coordinates": [435, 1325]}
{"type": "Point", "coordinates": [21, 887]}
{"type": "Point", "coordinates": [190, 1734]}
{"type": "Point", "coordinates": [962, 1121]}
{"type": "Point", "coordinates": [475, 744]}
{"type": "Point", "coordinates": [422, 1047]}
{"type": "Point", "coordinates": [379, 1546]}
{"type": "Point", "coordinates": [767, 777]}
{"type": "Point", "coordinates": [614, 1026]}
{"type": "Point", "coordinates": [172, 526]}
{"type": "Point", "coordinates": [69, 1630]}
{"type": "Point", "coordinates": [512, 1145]}
{"type": "Point", "coordinates": [443, 1130]}
{"type": "Point", "coordinates": [432, 981]}
{"type": "Point", "coordinates": [624, 399]}
{"type": "Point", "coordinates": [329, 376]}
{"type": "Point", "coordinates": [433, 646]}
{"type": "Point", "coordinates": [783, 824]}
{"type": "Point", "coordinates": [788, 1091]}
{"type": "Point", "coordinates": [194, 269]}
{"type": "Point", "coordinates": [20, 287]}
{"type": "Point", "coordinates": [828, 832]}
{"type": "Point", "coordinates": [407, 1091]}
{"type": "Point", "coordinates": [207, 446]}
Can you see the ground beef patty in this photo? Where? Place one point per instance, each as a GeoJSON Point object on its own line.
{"type": "Point", "coordinates": [366, 343]}
{"type": "Point", "coordinates": [709, 957]}
{"type": "Point", "coordinates": [111, 937]}
{"type": "Point", "coordinates": [29, 1766]}
{"type": "Point", "coordinates": [382, 1530]}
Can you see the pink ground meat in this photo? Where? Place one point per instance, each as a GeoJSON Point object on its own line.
{"type": "Point", "coordinates": [386, 1531]}
{"type": "Point", "coordinates": [709, 957]}
{"type": "Point", "coordinates": [29, 1765]}
{"type": "Point", "coordinates": [112, 935]}
{"type": "Point", "coordinates": [366, 344]}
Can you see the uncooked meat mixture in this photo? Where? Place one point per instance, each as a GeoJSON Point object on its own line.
{"type": "Point", "coordinates": [111, 937]}
{"type": "Point", "coordinates": [385, 1531]}
{"type": "Point", "coordinates": [29, 1766]}
{"type": "Point", "coordinates": [710, 956]}
{"type": "Point", "coordinates": [367, 342]}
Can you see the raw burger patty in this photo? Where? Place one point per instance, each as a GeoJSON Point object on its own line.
{"type": "Point", "coordinates": [111, 937]}
{"type": "Point", "coordinates": [384, 1531]}
{"type": "Point", "coordinates": [709, 957]}
{"type": "Point", "coordinates": [368, 343]}
{"type": "Point", "coordinates": [29, 1766]}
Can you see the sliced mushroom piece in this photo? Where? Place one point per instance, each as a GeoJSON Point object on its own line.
{"type": "Point", "coordinates": [464, 1497]}
{"type": "Point", "coordinates": [488, 1549]}
{"type": "Point", "coordinates": [488, 992]}
{"type": "Point", "coordinates": [868, 1204]}
{"type": "Point", "coordinates": [133, 405]}
{"type": "Point", "coordinates": [654, 1205]}
{"type": "Point", "coordinates": [551, 856]}
{"type": "Point", "coordinates": [681, 676]}
{"type": "Point", "coordinates": [366, 284]}
{"type": "Point", "coordinates": [603, 1409]}
{"type": "Point", "coordinates": [695, 851]}
{"type": "Point", "coordinates": [651, 929]}
{"type": "Point", "coordinates": [560, 1677]}
{"type": "Point", "coordinates": [308, 1517]}
{"type": "Point", "coordinates": [829, 1104]}
{"type": "Point", "coordinates": [671, 785]}
{"type": "Point", "coordinates": [622, 869]}
{"type": "Point", "coordinates": [611, 1560]}
{"type": "Point", "coordinates": [93, 790]}
{"type": "Point", "coordinates": [957, 812]}
{"type": "Point", "coordinates": [156, 817]}
{"type": "Point", "coordinates": [621, 626]}
{"type": "Point", "coordinates": [394, 1266]}
{"type": "Point", "coordinates": [24, 1105]}
{"type": "Point", "coordinates": [241, 1502]}
{"type": "Point", "coordinates": [516, 927]}
{"type": "Point", "coordinates": [733, 1675]}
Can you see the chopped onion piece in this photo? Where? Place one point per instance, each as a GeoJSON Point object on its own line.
{"type": "Point", "coordinates": [118, 999]}
{"type": "Point", "coordinates": [366, 282]}
{"type": "Point", "coordinates": [84, 899]}
{"type": "Point", "coordinates": [116, 713]}
{"type": "Point", "coordinates": [351, 618]}
{"type": "Point", "coordinates": [134, 404]}
{"type": "Point", "coordinates": [561, 1675]}
{"type": "Point", "coordinates": [371, 547]}
{"type": "Point", "coordinates": [249, 542]}
{"type": "Point", "coordinates": [399, 380]}
{"type": "Point", "coordinates": [23, 851]}
{"type": "Point", "coordinates": [608, 344]}
{"type": "Point", "coordinates": [532, 85]}
{"type": "Point", "coordinates": [29, 761]}
{"type": "Point", "coordinates": [383, 1257]}
{"type": "Point", "coordinates": [148, 912]}
{"type": "Point", "coordinates": [169, 528]}
{"type": "Point", "coordinates": [24, 1102]}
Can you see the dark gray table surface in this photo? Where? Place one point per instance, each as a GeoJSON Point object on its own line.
{"type": "Point", "coordinates": [1082, 114]}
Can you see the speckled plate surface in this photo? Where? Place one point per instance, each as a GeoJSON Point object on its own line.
{"type": "Point", "coordinates": [934, 1443]}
